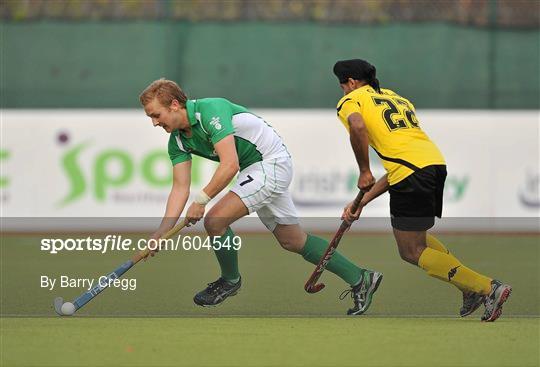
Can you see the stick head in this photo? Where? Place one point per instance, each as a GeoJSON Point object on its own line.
{"type": "Point", "coordinates": [58, 302]}
{"type": "Point", "coordinates": [314, 288]}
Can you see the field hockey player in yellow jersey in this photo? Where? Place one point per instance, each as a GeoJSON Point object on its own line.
{"type": "Point", "coordinates": [416, 171]}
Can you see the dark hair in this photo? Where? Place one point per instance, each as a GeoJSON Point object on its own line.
{"type": "Point", "coordinates": [359, 70]}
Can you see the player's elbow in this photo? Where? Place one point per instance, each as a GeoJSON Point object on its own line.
{"type": "Point", "coordinates": [231, 167]}
{"type": "Point", "coordinates": [357, 128]}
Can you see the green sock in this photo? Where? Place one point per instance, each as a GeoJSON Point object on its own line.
{"type": "Point", "coordinates": [228, 257]}
{"type": "Point", "coordinates": [314, 250]}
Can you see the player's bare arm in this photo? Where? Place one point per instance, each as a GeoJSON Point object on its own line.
{"type": "Point", "coordinates": [177, 199]}
{"type": "Point", "coordinates": [227, 169]}
{"type": "Point", "coordinates": [360, 144]}
{"type": "Point", "coordinates": [380, 187]}
{"type": "Point", "coordinates": [228, 166]}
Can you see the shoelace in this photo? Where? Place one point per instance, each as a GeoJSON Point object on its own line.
{"type": "Point", "coordinates": [489, 303]}
{"type": "Point", "coordinates": [359, 296]}
{"type": "Point", "coordinates": [490, 299]}
{"type": "Point", "coordinates": [345, 293]}
{"type": "Point", "coordinates": [214, 286]}
{"type": "Point", "coordinates": [469, 300]}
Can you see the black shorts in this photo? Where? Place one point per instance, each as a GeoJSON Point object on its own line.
{"type": "Point", "coordinates": [417, 200]}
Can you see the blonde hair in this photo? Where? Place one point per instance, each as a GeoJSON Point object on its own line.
{"type": "Point", "coordinates": [165, 91]}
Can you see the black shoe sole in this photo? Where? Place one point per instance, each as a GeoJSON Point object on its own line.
{"type": "Point", "coordinates": [202, 304]}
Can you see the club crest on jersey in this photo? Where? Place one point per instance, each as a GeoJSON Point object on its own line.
{"type": "Point", "coordinates": [215, 122]}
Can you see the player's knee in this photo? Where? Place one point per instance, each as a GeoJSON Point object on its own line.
{"type": "Point", "coordinates": [411, 254]}
{"type": "Point", "coordinates": [290, 237]}
{"type": "Point", "coordinates": [405, 255]}
{"type": "Point", "coordinates": [291, 245]}
{"type": "Point", "coordinates": [214, 226]}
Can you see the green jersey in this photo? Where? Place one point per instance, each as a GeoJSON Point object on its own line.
{"type": "Point", "coordinates": [212, 119]}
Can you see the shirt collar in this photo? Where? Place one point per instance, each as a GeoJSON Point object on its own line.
{"type": "Point", "coordinates": [190, 107]}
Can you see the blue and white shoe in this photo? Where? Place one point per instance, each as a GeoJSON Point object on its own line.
{"type": "Point", "coordinates": [362, 294]}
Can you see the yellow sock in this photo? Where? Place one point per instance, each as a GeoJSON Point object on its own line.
{"type": "Point", "coordinates": [434, 243]}
{"type": "Point", "coordinates": [446, 267]}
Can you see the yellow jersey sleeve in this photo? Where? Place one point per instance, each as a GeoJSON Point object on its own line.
{"type": "Point", "coordinates": [345, 108]}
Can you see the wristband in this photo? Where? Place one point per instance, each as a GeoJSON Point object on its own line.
{"type": "Point", "coordinates": [202, 198]}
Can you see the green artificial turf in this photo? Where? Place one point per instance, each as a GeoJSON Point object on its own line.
{"type": "Point", "coordinates": [269, 342]}
{"type": "Point", "coordinates": [272, 321]}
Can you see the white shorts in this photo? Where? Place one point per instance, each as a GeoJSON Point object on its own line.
{"type": "Point", "coordinates": [264, 188]}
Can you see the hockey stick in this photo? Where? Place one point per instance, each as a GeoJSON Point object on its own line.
{"type": "Point", "coordinates": [69, 308]}
{"type": "Point", "coordinates": [311, 285]}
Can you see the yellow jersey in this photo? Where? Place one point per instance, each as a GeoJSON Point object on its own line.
{"type": "Point", "coordinates": [393, 130]}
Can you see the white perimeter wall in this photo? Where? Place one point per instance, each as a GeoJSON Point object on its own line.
{"type": "Point", "coordinates": [113, 163]}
